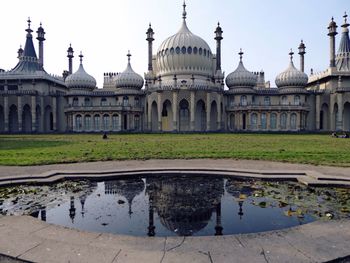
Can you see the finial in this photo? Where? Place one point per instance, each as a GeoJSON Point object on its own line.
{"type": "Point", "coordinates": [345, 18]}
{"type": "Point", "coordinates": [41, 24]}
{"type": "Point", "coordinates": [29, 22]}
{"type": "Point", "coordinates": [332, 19]}
{"type": "Point", "coordinates": [184, 13]}
{"type": "Point", "coordinates": [128, 55]}
{"type": "Point", "coordinates": [240, 54]}
{"type": "Point", "coordinates": [291, 53]}
{"type": "Point", "coordinates": [81, 57]}
{"type": "Point", "coordinates": [218, 23]}
{"type": "Point", "coordinates": [150, 25]}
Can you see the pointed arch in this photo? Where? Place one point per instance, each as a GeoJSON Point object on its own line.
{"type": "Point", "coordinates": [2, 119]}
{"type": "Point", "coordinates": [154, 116]}
{"type": "Point", "coordinates": [200, 116]}
{"type": "Point", "coordinates": [335, 116]}
{"type": "Point", "coordinates": [346, 116]}
{"type": "Point", "coordinates": [48, 119]}
{"type": "Point", "coordinates": [324, 117]}
{"type": "Point", "coordinates": [213, 116]}
{"type": "Point", "coordinates": [184, 115]}
{"type": "Point", "coordinates": [167, 116]}
{"type": "Point", "coordinates": [26, 119]}
{"type": "Point", "coordinates": [13, 119]}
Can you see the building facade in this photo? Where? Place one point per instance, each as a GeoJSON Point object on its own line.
{"type": "Point", "coordinates": [183, 90]}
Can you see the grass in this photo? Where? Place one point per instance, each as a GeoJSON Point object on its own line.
{"type": "Point", "coordinates": [68, 148]}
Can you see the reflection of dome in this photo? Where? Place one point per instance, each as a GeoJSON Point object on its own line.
{"type": "Point", "coordinates": [241, 77]}
{"type": "Point", "coordinates": [185, 205]}
{"type": "Point", "coordinates": [184, 53]}
{"type": "Point", "coordinates": [291, 77]}
{"type": "Point", "coordinates": [128, 188]}
{"type": "Point", "coordinates": [129, 78]}
{"type": "Point", "coordinates": [80, 79]}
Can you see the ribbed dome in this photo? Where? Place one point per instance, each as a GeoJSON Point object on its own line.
{"type": "Point", "coordinates": [184, 53]}
{"type": "Point", "coordinates": [291, 77]}
{"type": "Point", "coordinates": [80, 79]}
{"type": "Point", "coordinates": [241, 77]}
{"type": "Point", "coordinates": [129, 78]}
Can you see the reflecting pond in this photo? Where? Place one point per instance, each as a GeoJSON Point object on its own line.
{"type": "Point", "coordinates": [177, 204]}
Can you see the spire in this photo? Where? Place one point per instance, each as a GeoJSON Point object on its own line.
{"type": "Point", "coordinates": [342, 60]}
{"type": "Point", "coordinates": [184, 13]}
{"type": "Point", "coordinates": [29, 29]}
{"type": "Point", "coordinates": [240, 55]}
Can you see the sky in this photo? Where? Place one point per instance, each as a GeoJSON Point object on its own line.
{"type": "Point", "coordinates": [105, 30]}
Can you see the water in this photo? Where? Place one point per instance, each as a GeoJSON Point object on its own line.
{"type": "Point", "coordinates": [177, 205]}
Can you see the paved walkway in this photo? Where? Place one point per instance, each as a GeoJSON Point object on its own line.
{"type": "Point", "coordinates": [26, 238]}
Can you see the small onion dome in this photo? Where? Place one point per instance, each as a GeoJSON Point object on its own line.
{"type": "Point", "coordinates": [241, 77]}
{"type": "Point", "coordinates": [80, 79]}
{"type": "Point", "coordinates": [129, 78]}
{"type": "Point", "coordinates": [291, 77]}
{"type": "Point", "coordinates": [332, 23]}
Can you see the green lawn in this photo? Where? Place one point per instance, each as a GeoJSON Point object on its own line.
{"type": "Point", "coordinates": [49, 149]}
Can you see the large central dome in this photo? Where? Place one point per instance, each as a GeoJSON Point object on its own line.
{"type": "Point", "coordinates": [184, 53]}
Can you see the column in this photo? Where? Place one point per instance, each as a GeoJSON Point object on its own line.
{"type": "Point", "coordinates": [149, 115]}
{"type": "Point", "coordinates": [219, 124]}
{"type": "Point", "coordinates": [74, 124]}
{"type": "Point", "coordinates": [6, 113]}
{"type": "Point", "coordinates": [159, 100]}
{"type": "Point", "coordinates": [299, 124]}
{"type": "Point", "coordinates": [318, 110]}
{"type": "Point", "coordinates": [42, 117]}
{"type": "Point", "coordinates": [208, 111]}
{"type": "Point", "coordinates": [54, 113]}
{"type": "Point", "coordinates": [288, 121]}
{"type": "Point", "coordinates": [19, 111]}
{"type": "Point", "coordinates": [33, 107]}
{"type": "Point", "coordinates": [268, 120]}
{"type": "Point", "coordinates": [192, 111]}
{"type": "Point", "coordinates": [340, 112]}
{"type": "Point", "coordinates": [175, 113]}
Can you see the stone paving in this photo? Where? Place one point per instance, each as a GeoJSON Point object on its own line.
{"type": "Point", "coordinates": [28, 239]}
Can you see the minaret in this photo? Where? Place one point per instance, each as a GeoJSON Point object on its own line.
{"type": "Point", "coordinates": [218, 37]}
{"type": "Point", "coordinates": [332, 28]}
{"type": "Point", "coordinates": [20, 52]}
{"type": "Point", "coordinates": [150, 39]}
{"type": "Point", "coordinates": [41, 39]}
{"type": "Point", "coordinates": [70, 57]}
{"type": "Point", "coordinates": [302, 53]}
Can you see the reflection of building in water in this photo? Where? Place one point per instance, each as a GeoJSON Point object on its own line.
{"type": "Point", "coordinates": [86, 192]}
{"type": "Point", "coordinates": [184, 205]}
{"type": "Point", "coordinates": [128, 188]}
{"type": "Point", "coordinates": [72, 209]}
{"type": "Point", "coordinates": [240, 190]}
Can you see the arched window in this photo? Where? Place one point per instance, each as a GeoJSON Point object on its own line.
{"type": "Point", "coordinates": [167, 52]}
{"type": "Point", "coordinates": [137, 102]}
{"type": "Point", "coordinates": [284, 100]}
{"type": "Point", "coordinates": [172, 51]}
{"type": "Point", "coordinates": [297, 100]}
{"type": "Point", "coordinates": [125, 101]}
{"type": "Point", "coordinates": [273, 121]}
{"type": "Point", "coordinates": [137, 122]}
{"type": "Point", "coordinates": [189, 50]}
{"type": "Point", "coordinates": [243, 100]}
{"type": "Point", "coordinates": [105, 122]}
{"type": "Point", "coordinates": [103, 102]}
{"type": "Point", "coordinates": [78, 123]}
{"type": "Point", "coordinates": [200, 51]}
{"type": "Point", "coordinates": [177, 50]}
{"type": "Point", "coordinates": [283, 121]}
{"type": "Point", "coordinates": [267, 101]}
{"type": "Point", "coordinates": [97, 125]}
{"type": "Point", "coordinates": [253, 100]}
{"type": "Point", "coordinates": [183, 50]}
{"type": "Point", "coordinates": [87, 102]}
{"type": "Point", "coordinates": [115, 122]}
{"type": "Point", "coordinates": [293, 121]}
{"type": "Point", "coordinates": [205, 52]}
{"type": "Point", "coordinates": [75, 102]}
{"type": "Point", "coordinates": [253, 120]}
{"type": "Point", "coordinates": [263, 121]}
{"type": "Point", "coordinates": [232, 101]}
{"type": "Point", "coordinates": [195, 50]}
{"type": "Point", "coordinates": [87, 123]}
